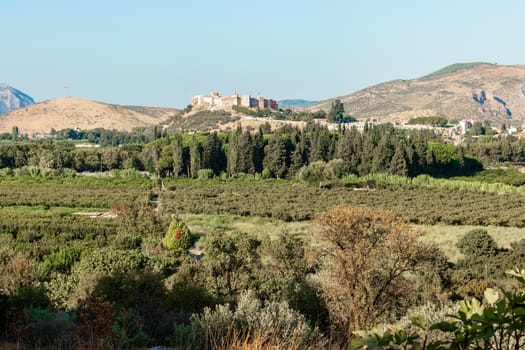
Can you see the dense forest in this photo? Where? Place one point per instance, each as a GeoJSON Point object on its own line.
{"type": "Point", "coordinates": [278, 154]}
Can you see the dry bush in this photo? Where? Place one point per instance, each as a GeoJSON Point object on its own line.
{"type": "Point", "coordinates": [370, 261]}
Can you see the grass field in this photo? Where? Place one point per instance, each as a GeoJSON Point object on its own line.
{"type": "Point", "coordinates": [444, 236]}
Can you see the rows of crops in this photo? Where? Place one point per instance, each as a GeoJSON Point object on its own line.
{"type": "Point", "coordinates": [292, 201]}
{"type": "Point", "coordinates": [72, 193]}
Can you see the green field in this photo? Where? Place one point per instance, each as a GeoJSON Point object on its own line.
{"type": "Point", "coordinates": [259, 235]}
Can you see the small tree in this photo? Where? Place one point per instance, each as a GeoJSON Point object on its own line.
{"type": "Point", "coordinates": [370, 256]}
{"type": "Point", "coordinates": [477, 242]}
{"type": "Point", "coordinates": [178, 236]}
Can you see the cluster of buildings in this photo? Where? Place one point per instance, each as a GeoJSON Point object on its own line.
{"type": "Point", "coordinates": [214, 101]}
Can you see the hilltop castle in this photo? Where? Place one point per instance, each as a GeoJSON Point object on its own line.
{"type": "Point", "coordinates": [214, 101]}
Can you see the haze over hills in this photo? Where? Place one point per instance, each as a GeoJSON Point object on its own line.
{"type": "Point", "coordinates": [11, 98]}
{"type": "Point", "coordinates": [70, 112]}
{"type": "Point", "coordinates": [478, 91]}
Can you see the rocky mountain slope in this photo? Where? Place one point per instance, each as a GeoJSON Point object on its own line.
{"type": "Point", "coordinates": [11, 98]}
{"type": "Point", "coordinates": [70, 112]}
{"type": "Point", "coordinates": [478, 91]}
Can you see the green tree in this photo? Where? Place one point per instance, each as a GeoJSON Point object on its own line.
{"type": "Point", "coordinates": [178, 155]}
{"type": "Point", "coordinates": [213, 156]}
{"type": "Point", "coordinates": [398, 165]}
{"type": "Point", "coordinates": [195, 157]}
{"type": "Point", "coordinates": [477, 242]}
{"type": "Point", "coordinates": [337, 111]}
{"type": "Point", "coordinates": [178, 236]}
{"type": "Point", "coordinates": [245, 153]}
{"type": "Point", "coordinates": [277, 156]}
{"type": "Point", "coordinates": [14, 133]}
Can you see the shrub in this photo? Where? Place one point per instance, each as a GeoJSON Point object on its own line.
{"type": "Point", "coordinates": [178, 236]}
{"type": "Point", "coordinates": [477, 242]}
{"type": "Point", "coordinates": [496, 322]}
{"type": "Point", "coordinates": [314, 172]}
{"type": "Point", "coordinates": [253, 317]}
{"type": "Point", "coordinates": [109, 261]}
{"type": "Point", "coordinates": [379, 256]}
{"type": "Point", "coordinates": [60, 262]}
{"type": "Point", "coordinates": [205, 174]}
{"type": "Point", "coordinates": [128, 330]}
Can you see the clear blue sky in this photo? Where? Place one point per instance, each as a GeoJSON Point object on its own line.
{"type": "Point", "coordinates": [162, 52]}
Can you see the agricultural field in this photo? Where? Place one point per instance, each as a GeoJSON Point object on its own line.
{"type": "Point", "coordinates": [266, 236]}
{"type": "Point", "coordinates": [298, 201]}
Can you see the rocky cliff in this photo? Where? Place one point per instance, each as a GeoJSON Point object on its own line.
{"type": "Point", "coordinates": [11, 98]}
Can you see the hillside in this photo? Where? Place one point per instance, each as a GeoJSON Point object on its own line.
{"type": "Point", "coordinates": [11, 98]}
{"type": "Point", "coordinates": [478, 91]}
{"type": "Point", "coordinates": [69, 112]}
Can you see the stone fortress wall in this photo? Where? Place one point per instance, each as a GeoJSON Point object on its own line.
{"type": "Point", "coordinates": [214, 101]}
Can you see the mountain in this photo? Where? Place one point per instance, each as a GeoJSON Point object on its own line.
{"type": "Point", "coordinates": [296, 103]}
{"type": "Point", "coordinates": [70, 112]}
{"type": "Point", "coordinates": [11, 98]}
{"type": "Point", "coordinates": [478, 91]}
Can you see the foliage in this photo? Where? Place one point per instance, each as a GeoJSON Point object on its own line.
{"type": "Point", "coordinates": [337, 113]}
{"type": "Point", "coordinates": [497, 323]}
{"type": "Point", "coordinates": [96, 317]}
{"type": "Point", "coordinates": [251, 316]}
{"type": "Point", "coordinates": [174, 155]}
{"type": "Point", "coordinates": [477, 243]}
{"type": "Point", "coordinates": [205, 174]}
{"type": "Point", "coordinates": [366, 266]}
{"type": "Point", "coordinates": [432, 120]}
{"type": "Point", "coordinates": [109, 261]}
{"type": "Point", "coordinates": [128, 330]}
{"type": "Point", "coordinates": [422, 200]}
{"type": "Point", "coordinates": [178, 236]}
{"type": "Point", "coordinates": [230, 263]}
{"type": "Point", "coordinates": [60, 262]}
{"type": "Point", "coordinates": [244, 110]}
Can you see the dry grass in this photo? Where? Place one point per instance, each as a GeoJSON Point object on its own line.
{"type": "Point", "coordinates": [70, 112]}
{"type": "Point", "coordinates": [201, 224]}
{"type": "Point", "coordinates": [446, 236]}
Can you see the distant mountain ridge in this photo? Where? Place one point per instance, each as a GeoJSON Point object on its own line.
{"type": "Point", "coordinates": [474, 91]}
{"type": "Point", "coordinates": [71, 112]}
{"type": "Point", "coordinates": [12, 98]}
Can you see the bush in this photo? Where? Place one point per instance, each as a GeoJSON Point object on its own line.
{"type": "Point", "coordinates": [252, 317]}
{"type": "Point", "coordinates": [477, 242]}
{"type": "Point", "coordinates": [205, 174]}
{"type": "Point", "coordinates": [178, 236]}
{"type": "Point", "coordinates": [60, 262]}
{"type": "Point", "coordinates": [314, 172]}
{"type": "Point", "coordinates": [109, 261]}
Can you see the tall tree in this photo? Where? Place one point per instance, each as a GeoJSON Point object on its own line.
{"type": "Point", "coordinates": [277, 156]}
{"type": "Point", "coordinates": [195, 156]}
{"type": "Point", "coordinates": [213, 156]}
{"type": "Point", "coordinates": [398, 165]}
{"type": "Point", "coordinates": [178, 155]}
{"type": "Point", "coordinates": [337, 112]}
{"type": "Point", "coordinates": [245, 153]}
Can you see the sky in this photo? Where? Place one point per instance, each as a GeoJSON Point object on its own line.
{"type": "Point", "coordinates": [163, 52]}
